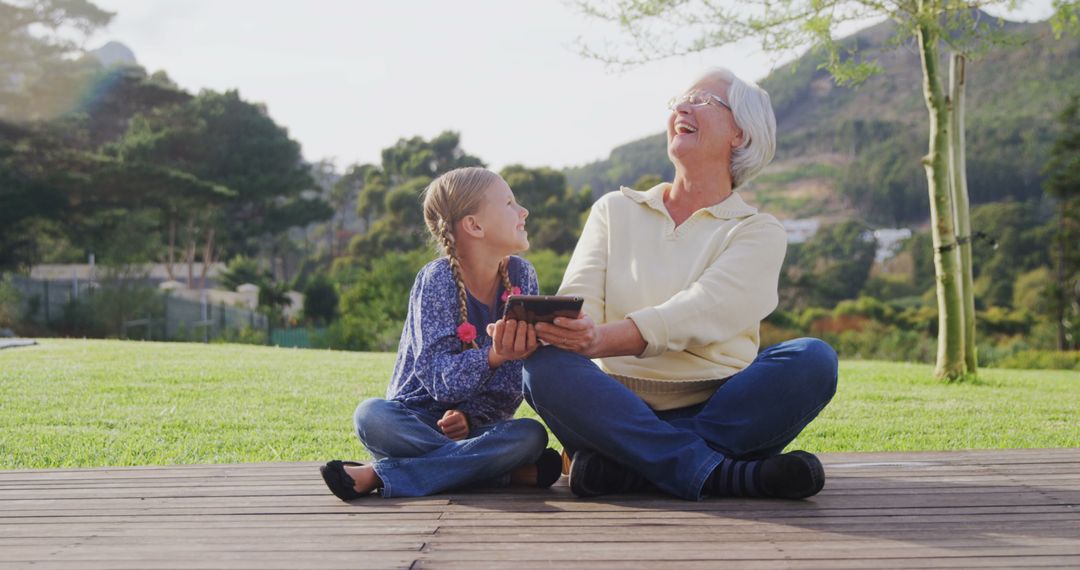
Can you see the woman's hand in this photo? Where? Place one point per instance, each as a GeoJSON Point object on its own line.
{"type": "Point", "coordinates": [454, 425]}
{"type": "Point", "coordinates": [580, 335]}
{"type": "Point", "coordinates": [510, 340]}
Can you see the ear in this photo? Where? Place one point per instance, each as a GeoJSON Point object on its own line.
{"type": "Point", "coordinates": [471, 226]}
{"type": "Point", "coordinates": [737, 140]}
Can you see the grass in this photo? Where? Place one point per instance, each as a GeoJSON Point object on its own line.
{"type": "Point", "coordinates": [82, 403]}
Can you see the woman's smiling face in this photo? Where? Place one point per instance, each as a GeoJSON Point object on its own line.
{"type": "Point", "coordinates": [705, 131]}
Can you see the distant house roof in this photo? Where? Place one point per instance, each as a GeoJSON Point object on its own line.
{"type": "Point", "coordinates": [86, 272]}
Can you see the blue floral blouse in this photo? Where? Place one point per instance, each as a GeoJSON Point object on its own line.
{"type": "Point", "coordinates": [432, 371]}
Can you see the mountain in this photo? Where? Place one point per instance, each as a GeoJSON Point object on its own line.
{"type": "Point", "coordinates": [114, 53]}
{"type": "Point", "coordinates": [846, 152]}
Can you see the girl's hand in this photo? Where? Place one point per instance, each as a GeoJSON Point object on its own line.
{"type": "Point", "coordinates": [580, 335]}
{"type": "Point", "coordinates": [510, 340]}
{"type": "Point", "coordinates": [454, 425]}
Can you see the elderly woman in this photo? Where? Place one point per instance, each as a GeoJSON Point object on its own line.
{"type": "Point", "coordinates": [676, 281]}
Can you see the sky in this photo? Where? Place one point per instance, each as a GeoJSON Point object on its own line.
{"type": "Point", "coordinates": [349, 78]}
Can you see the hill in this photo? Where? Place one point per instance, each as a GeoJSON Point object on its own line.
{"type": "Point", "coordinates": [846, 152]}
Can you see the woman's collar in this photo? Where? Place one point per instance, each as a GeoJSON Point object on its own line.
{"type": "Point", "coordinates": [731, 207]}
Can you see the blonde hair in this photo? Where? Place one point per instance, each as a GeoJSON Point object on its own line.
{"type": "Point", "coordinates": [447, 200]}
{"type": "Point", "coordinates": [753, 112]}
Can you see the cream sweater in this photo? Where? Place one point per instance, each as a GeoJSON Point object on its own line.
{"type": "Point", "coordinates": [697, 292]}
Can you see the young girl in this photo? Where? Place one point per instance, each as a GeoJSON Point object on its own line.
{"type": "Point", "coordinates": [446, 420]}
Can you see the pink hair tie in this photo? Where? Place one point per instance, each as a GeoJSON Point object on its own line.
{"type": "Point", "coordinates": [466, 332]}
{"type": "Point", "coordinates": [514, 291]}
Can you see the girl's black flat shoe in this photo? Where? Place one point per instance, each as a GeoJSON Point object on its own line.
{"type": "Point", "coordinates": [548, 468]}
{"type": "Point", "coordinates": [339, 482]}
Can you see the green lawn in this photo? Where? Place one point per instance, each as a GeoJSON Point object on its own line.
{"type": "Point", "coordinates": [80, 403]}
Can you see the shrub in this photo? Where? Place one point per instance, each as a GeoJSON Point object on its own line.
{"type": "Point", "coordinates": [320, 300]}
{"type": "Point", "coordinates": [373, 306]}
{"type": "Point", "coordinates": [246, 335]}
{"type": "Point", "coordinates": [866, 307]}
{"type": "Point", "coordinates": [1043, 360]}
{"type": "Point", "coordinates": [1002, 321]}
{"type": "Point", "coordinates": [550, 267]}
{"type": "Point", "coordinates": [877, 341]}
{"type": "Point", "coordinates": [772, 334]}
{"type": "Point", "coordinates": [9, 303]}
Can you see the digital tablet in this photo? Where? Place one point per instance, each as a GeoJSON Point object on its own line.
{"type": "Point", "coordinates": [542, 308]}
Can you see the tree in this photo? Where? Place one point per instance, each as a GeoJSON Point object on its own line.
{"type": "Point", "coordinates": [242, 271]}
{"type": "Point", "coordinates": [415, 157]}
{"type": "Point", "coordinates": [32, 205]}
{"type": "Point", "coordinates": [39, 72]}
{"type": "Point", "coordinates": [232, 144]}
{"type": "Point", "coordinates": [1019, 245]}
{"type": "Point", "coordinates": [346, 190]}
{"type": "Point", "coordinates": [29, 202]}
{"type": "Point", "coordinates": [390, 199]}
{"type": "Point", "coordinates": [375, 301]}
{"type": "Point", "coordinates": [834, 264]}
{"type": "Point", "coordinates": [320, 300]}
{"type": "Point", "coordinates": [1063, 185]}
{"type": "Point", "coordinates": [554, 207]}
{"type": "Point", "coordinates": [660, 28]}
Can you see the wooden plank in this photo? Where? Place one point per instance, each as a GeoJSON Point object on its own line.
{"type": "Point", "coordinates": [230, 561]}
{"type": "Point", "coordinates": [672, 550]}
{"type": "Point", "coordinates": [788, 564]}
{"type": "Point", "coordinates": [940, 509]}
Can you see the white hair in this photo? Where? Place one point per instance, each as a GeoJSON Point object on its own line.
{"type": "Point", "coordinates": [753, 113]}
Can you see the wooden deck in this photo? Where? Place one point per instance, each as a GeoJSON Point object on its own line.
{"type": "Point", "coordinates": [985, 509]}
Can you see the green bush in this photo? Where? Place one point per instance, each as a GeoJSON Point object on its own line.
{"type": "Point", "coordinates": [374, 301]}
{"type": "Point", "coordinates": [550, 267]}
{"type": "Point", "coordinates": [1042, 360]}
{"type": "Point", "coordinates": [877, 341]}
{"type": "Point", "coordinates": [320, 300]}
{"type": "Point", "coordinates": [100, 312]}
{"type": "Point", "coordinates": [890, 287]}
{"type": "Point", "coordinates": [9, 303]}
{"type": "Point", "coordinates": [246, 335]}
{"type": "Point", "coordinates": [1002, 321]}
{"type": "Point", "coordinates": [867, 307]}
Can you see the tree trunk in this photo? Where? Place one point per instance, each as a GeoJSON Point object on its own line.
{"type": "Point", "coordinates": [1061, 288]}
{"type": "Point", "coordinates": [962, 217]}
{"type": "Point", "coordinates": [950, 355]}
{"type": "Point", "coordinates": [172, 248]}
{"type": "Point", "coordinates": [189, 253]}
{"type": "Point", "coordinates": [208, 258]}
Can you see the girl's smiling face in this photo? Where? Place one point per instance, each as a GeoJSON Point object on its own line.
{"type": "Point", "coordinates": [503, 219]}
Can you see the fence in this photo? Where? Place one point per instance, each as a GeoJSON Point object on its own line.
{"type": "Point", "coordinates": [175, 318]}
{"type": "Point", "coordinates": [44, 301]}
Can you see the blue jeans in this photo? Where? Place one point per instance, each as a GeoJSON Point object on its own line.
{"type": "Point", "coordinates": [415, 459]}
{"type": "Point", "coordinates": [752, 415]}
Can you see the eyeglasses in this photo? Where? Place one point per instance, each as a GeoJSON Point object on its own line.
{"type": "Point", "coordinates": [696, 99]}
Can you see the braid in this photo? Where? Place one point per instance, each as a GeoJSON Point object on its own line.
{"type": "Point", "coordinates": [446, 237]}
{"type": "Point", "coordinates": [504, 272]}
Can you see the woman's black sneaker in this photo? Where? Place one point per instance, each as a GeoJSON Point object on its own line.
{"type": "Point", "coordinates": [794, 475]}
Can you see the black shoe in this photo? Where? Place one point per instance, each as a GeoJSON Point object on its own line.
{"type": "Point", "coordinates": [794, 475]}
{"type": "Point", "coordinates": [548, 468]}
{"type": "Point", "coordinates": [592, 474]}
{"type": "Point", "coordinates": [341, 485]}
